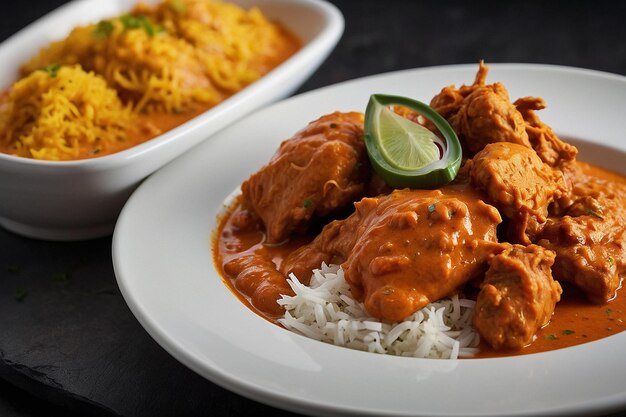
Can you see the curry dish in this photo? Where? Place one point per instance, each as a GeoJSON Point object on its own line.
{"type": "Point", "coordinates": [116, 83]}
{"type": "Point", "coordinates": [535, 236]}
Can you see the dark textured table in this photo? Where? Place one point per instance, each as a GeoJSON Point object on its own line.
{"type": "Point", "coordinates": [68, 343]}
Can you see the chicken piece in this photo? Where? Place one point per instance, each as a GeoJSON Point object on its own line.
{"type": "Point", "coordinates": [517, 297]}
{"type": "Point", "coordinates": [589, 236]}
{"type": "Point", "coordinates": [487, 116]}
{"type": "Point", "coordinates": [518, 183]}
{"type": "Point", "coordinates": [552, 150]}
{"type": "Point", "coordinates": [516, 180]}
{"type": "Point", "coordinates": [322, 169]}
{"type": "Point", "coordinates": [450, 99]}
{"type": "Point", "coordinates": [481, 114]}
{"type": "Point", "coordinates": [401, 251]}
{"type": "Point", "coordinates": [590, 253]}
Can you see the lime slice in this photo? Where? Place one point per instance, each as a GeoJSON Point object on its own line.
{"type": "Point", "coordinates": [404, 144]}
{"type": "Point", "coordinates": [407, 154]}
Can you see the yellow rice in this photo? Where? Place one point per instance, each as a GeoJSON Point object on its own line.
{"type": "Point", "coordinates": [170, 57]}
{"type": "Point", "coordinates": [60, 114]}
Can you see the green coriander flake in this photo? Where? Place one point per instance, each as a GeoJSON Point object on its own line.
{"type": "Point", "coordinates": [307, 203]}
{"type": "Point", "coordinates": [594, 214]}
{"type": "Point", "coordinates": [140, 22]}
{"type": "Point", "coordinates": [568, 332]}
{"type": "Point", "coordinates": [52, 70]}
{"type": "Point", "coordinates": [550, 337]}
{"type": "Point", "coordinates": [103, 29]}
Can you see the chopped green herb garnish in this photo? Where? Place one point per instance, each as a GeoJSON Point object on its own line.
{"type": "Point", "coordinates": [20, 294]}
{"type": "Point", "coordinates": [130, 22]}
{"type": "Point", "coordinates": [333, 125]}
{"type": "Point", "coordinates": [52, 70]}
{"type": "Point", "coordinates": [103, 29]}
{"type": "Point", "coordinates": [550, 337]}
{"type": "Point", "coordinates": [307, 203]}
{"type": "Point", "coordinates": [140, 22]}
{"type": "Point", "coordinates": [611, 260]}
{"type": "Point", "coordinates": [567, 331]}
{"type": "Point", "coordinates": [594, 214]}
{"type": "Point", "coordinates": [608, 311]}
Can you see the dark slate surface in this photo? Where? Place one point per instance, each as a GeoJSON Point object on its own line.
{"type": "Point", "coordinates": [68, 343]}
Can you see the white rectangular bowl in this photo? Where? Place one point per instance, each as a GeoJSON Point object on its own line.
{"type": "Point", "coordinates": [78, 200]}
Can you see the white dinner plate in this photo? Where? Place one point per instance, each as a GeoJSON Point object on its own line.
{"type": "Point", "coordinates": [164, 266]}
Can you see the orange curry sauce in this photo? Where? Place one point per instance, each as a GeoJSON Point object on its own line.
{"type": "Point", "coordinates": [575, 320]}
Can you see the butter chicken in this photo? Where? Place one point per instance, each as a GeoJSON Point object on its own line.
{"type": "Point", "coordinates": [524, 228]}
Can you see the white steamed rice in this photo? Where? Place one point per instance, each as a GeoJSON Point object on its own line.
{"type": "Point", "coordinates": [326, 311]}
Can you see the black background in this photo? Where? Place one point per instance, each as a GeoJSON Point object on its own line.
{"type": "Point", "coordinates": [72, 347]}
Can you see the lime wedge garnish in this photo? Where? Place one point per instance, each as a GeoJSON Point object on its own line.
{"type": "Point", "coordinates": [404, 144]}
{"type": "Point", "coordinates": [405, 153]}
